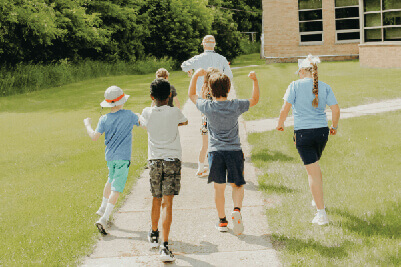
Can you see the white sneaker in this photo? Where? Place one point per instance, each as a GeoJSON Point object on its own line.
{"type": "Point", "coordinates": [313, 203]}
{"type": "Point", "coordinates": [100, 212]}
{"type": "Point", "coordinates": [222, 226]}
{"type": "Point", "coordinates": [101, 225]}
{"type": "Point", "coordinates": [203, 173]}
{"type": "Point", "coordinates": [321, 219]}
{"type": "Point", "coordinates": [238, 226]}
{"type": "Point", "coordinates": [166, 255]}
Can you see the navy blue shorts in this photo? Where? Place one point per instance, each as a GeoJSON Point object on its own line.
{"type": "Point", "coordinates": [226, 167]}
{"type": "Point", "coordinates": [310, 143]}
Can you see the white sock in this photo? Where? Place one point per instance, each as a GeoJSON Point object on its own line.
{"type": "Point", "coordinates": [107, 212]}
{"type": "Point", "coordinates": [321, 212]}
{"type": "Point", "coordinates": [201, 166]}
{"type": "Point", "coordinates": [104, 203]}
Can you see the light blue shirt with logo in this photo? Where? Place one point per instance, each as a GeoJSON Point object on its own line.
{"type": "Point", "coordinates": [299, 94]}
{"type": "Point", "coordinates": [117, 127]}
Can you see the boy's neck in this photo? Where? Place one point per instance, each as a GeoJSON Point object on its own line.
{"type": "Point", "coordinates": [116, 108]}
{"type": "Point", "coordinates": [220, 98]}
{"type": "Point", "coordinates": [160, 103]}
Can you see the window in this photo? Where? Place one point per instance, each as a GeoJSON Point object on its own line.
{"type": "Point", "coordinates": [310, 21]}
{"type": "Point", "coordinates": [382, 20]}
{"type": "Point", "coordinates": [347, 21]}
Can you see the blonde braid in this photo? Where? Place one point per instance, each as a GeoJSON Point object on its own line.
{"type": "Point", "coordinates": [315, 91]}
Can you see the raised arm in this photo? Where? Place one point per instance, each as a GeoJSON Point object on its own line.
{"type": "Point", "coordinates": [255, 90]}
{"type": "Point", "coordinates": [92, 134]}
{"type": "Point", "coordinates": [283, 115]}
{"type": "Point", "coordinates": [192, 85]}
{"type": "Point", "coordinates": [335, 117]}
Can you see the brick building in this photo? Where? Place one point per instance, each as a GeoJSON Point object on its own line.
{"type": "Point", "coordinates": [334, 30]}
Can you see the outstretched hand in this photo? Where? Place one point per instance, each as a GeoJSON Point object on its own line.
{"type": "Point", "coordinates": [333, 131]}
{"type": "Point", "coordinates": [280, 128]}
{"type": "Point", "coordinates": [252, 75]}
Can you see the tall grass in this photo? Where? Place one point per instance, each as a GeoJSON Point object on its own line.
{"type": "Point", "coordinates": [33, 77]}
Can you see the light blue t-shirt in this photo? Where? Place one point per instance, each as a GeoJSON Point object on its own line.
{"type": "Point", "coordinates": [299, 95]}
{"type": "Point", "coordinates": [118, 133]}
{"type": "Point", "coordinates": [222, 122]}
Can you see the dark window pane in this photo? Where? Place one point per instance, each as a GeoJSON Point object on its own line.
{"type": "Point", "coordinates": [312, 38]}
{"type": "Point", "coordinates": [340, 3]}
{"type": "Point", "coordinates": [349, 12]}
{"type": "Point", "coordinates": [373, 35]}
{"type": "Point", "coordinates": [371, 5]}
{"type": "Point", "coordinates": [392, 34]}
{"type": "Point", "coordinates": [372, 20]}
{"type": "Point", "coordinates": [311, 26]}
{"type": "Point", "coordinates": [392, 18]}
{"type": "Point", "coordinates": [347, 24]}
{"type": "Point", "coordinates": [310, 15]}
{"type": "Point", "coordinates": [391, 4]}
{"type": "Point", "coordinates": [348, 36]}
{"type": "Point", "coordinates": [309, 4]}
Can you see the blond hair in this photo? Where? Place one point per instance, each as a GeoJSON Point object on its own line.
{"type": "Point", "coordinates": [315, 90]}
{"type": "Point", "coordinates": [162, 73]}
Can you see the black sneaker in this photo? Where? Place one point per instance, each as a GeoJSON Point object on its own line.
{"type": "Point", "coordinates": [166, 254]}
{"type": "Point", "coordinates": [153, 238]}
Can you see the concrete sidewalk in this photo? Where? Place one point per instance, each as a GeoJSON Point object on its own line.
{"type": "Point", "coordinates": [194, 239]}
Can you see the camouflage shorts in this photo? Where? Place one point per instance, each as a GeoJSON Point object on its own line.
{"type": "Point", "coordinates": [165, 177]}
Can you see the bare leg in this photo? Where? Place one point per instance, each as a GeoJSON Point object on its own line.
{"type": "Point", "coordinates": [167, 218]}
{"type": "Point", "coordinates": [238, 195]}
{"type": "Point", "coordinates": [219, 199]}
{"type": "Point", "coordinates": [315, 183]}
{"type": "Point", "coordinates": [113, 197]}
{"type": "Point", "coordinates": [155, 215]}
{"type": "Point", "coordinates": [107, 190]}
{"type": "Point", "coordinates": [203, 151]}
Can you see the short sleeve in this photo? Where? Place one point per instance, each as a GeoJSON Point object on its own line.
{"type": "Point", "coordinates": [191, 63]}
{"type": "Point", "coordinates": [201, 105]}
{"type": "Point", "coordinates": [180, 116]}
{"type": "Point", "coordinates": [243, 105]}
{"type": "Point", "coordinates": [173, 91]}
{"type": "Point", "coordinates": [136, 119]}
{"type": "Point", "coordinates": [144, 118]}
{"type": "Point", "coordinates": [331, 99]}
{"type": "Point", "coordinates": [100, 125]}
{"type": "Point", "coordinates": [290, 94]}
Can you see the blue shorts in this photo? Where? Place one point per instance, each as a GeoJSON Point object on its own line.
{"type": "Point", "coordinates": [310, 143]}
{"type": "Point", "coordinates": [226, 167]}
{"type": "Point", "coordinates": [118, 173]}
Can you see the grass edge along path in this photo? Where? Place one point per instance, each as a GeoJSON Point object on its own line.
{"type": "Point", "coordinates": [362, 194]}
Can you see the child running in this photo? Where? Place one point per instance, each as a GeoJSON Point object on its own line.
{"type": "Point", "coordinates": [163, 73]}
{"type": "Point", "coordinates": [117, 126]}
{"type": "Point", "coordinates": [226, 159]}
{"type": "Point", "coordinates": [164, 155]}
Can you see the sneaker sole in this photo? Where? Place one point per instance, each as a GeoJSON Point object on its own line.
{"type": "Point", "coordinates": [166, 259]}
{"type": "Point", "coordinates": [101, 228]}
{"type": "Point", "coordinates": [238, 226]}
{"type": "Point", "coordinates": [222, 229]}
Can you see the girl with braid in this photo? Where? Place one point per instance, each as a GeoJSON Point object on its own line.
{"type": "Point", "coordinates": [308, 98]}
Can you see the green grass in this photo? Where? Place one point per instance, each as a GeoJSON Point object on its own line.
{"type": "Point", "coordinates": [352, 85]}
{"type": "Point", "coordinates": [361, 170]}
{"type": "Point", "coordinates": [246, 60]}
{"type": "Point", "coordinates": [52, 174]}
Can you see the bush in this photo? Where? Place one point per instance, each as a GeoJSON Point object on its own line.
{"type": "Point", "coordinates": [32, 77]}
{"type": "Point", "coordinates": [248, 47]}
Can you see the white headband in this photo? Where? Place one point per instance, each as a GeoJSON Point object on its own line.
{"type": "Point", "coordinates": [307, 62]}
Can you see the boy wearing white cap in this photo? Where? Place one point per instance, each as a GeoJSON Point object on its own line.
{"type": "Point", "coordinates": [117, 126]}
{"type": "Point", "coordinates": [209, 58]}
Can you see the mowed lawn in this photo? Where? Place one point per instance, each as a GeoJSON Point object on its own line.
{"type": "Point", "coordinates": [362, 191]}
{"type": "Point", "coordinates": [352, 85]}
{"type": "Point", "coordinates": [52, 174]}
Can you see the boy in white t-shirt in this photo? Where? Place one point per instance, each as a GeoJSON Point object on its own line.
{"type": "Point", "coordinates": [164, 155]}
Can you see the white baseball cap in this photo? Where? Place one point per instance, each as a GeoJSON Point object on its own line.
{"type": "Point", "coordinates": [307, 62]}
{"type": "Point", "coordinates": [114, 96]}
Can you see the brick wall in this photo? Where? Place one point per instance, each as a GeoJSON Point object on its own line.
{"type": "Point", "coordinates": [380, 55]}
{"type": "Point", "coordinates": [281, 33]}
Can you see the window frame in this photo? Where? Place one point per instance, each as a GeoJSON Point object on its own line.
{"type": "Point", "coordinates": [310, 33]}
{"type": "Point", "coordinates": [381, 27]}
{"type": "Point", "coordinates": [350, 41]}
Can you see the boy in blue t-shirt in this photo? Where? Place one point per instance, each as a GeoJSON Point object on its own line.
{"type": "Point", "coordinates": [117, 126]}
{"type": "Point", "coordinates": [226, 159]}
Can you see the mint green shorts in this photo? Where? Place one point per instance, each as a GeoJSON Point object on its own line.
{"type": "Point", "coordinates": [118, 173]}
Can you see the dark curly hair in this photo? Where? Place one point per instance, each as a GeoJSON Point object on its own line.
{"type": "Point", "coordinates": [160, 89]}
{"type": "Point", "coordinates": [220, 84]}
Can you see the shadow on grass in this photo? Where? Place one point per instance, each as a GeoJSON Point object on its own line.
{"type": "Point", "coordinates": [268, 156]}
{"type": "Point", "coordinates": [386, 223]}
{"type": "Point", "coordinates": [280, 189]}
{"type": "Point", "coordinates": [296, 245]}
